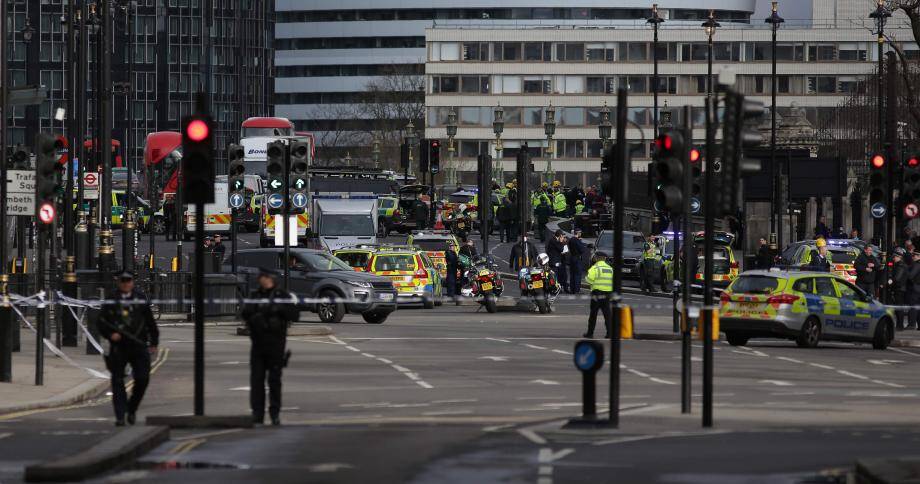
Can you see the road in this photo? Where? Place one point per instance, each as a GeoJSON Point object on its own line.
{"type": "Point", "coordinates": [456, 394]}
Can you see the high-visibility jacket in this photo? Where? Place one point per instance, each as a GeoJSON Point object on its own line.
{"type": "Point", "coordinates": [579, 207]}
{"type": "Point", "coordinates": [600, 277]}
{"type": "Point", "coordinates": [651, 252]}
{"type": "Point", "coordinates": [559, 205]}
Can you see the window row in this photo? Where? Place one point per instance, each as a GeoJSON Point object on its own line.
{"type": "Point", "coordinates": [568, 148]}
{"type": "Point", "coordinates": [643, 51]}
{"type": "Point", "coordinates": [640, 84]}
{"type": "Point", "coordinates": [536, 13]}
{"type": "Point", "coordinates": [347, 70]}
{"type": "Point", "coordinates": [351, 43]}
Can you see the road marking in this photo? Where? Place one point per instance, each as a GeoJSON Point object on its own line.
{"type": "Point", "coordinates": [885, 362]}
{"type": "Point", "coordinates": [400, 368]}
{"type": "Point", "coordinates": [5, 435]}
{"type": "Point", "coordinates": [888, 384]}
{"type": "Point", "coordinates": [207, 434]}
{"type": "Point", "coordinates": [791, 394]}
{"type": "Point", "coordinates": [499, 340]}
{"type": "Point", "coordinates": [384, 360]}
{"type": "Point", "coordinates": [239, 389]}
{"type": "Point", "coordinates": [368, 355]}
{"type": "Point", "coordinates": [424, 384]}
{"type": "Point", "coordinates": [790, 360]}
{"type": "Point", "coordinates": [535, 346]}
{"type": "Point", "coordinates": [547, 456]}
{"type": "Point", "coordinates": [186, 446]}
{"type": "Point", "coordinates": [563, 352]}
{"type": "Point", "coordinates": [881, 394]}
{"type": "Point", "coordinates": [455, 400]}
{"type": "Point", "coordinates": [662, 381]}
{"type": "Point", "coordinates": [447, 412]}
{"type": "Point", "coordinates": [638, 373]}
{"type": "Point", "coordinates": [231, 363]}
{"type": "Point", "coordinates": [825, 367]}
{"type": "Point", "coordinates": [352, 348]}
{"type": "Point", "coordinates": [329, 467]}
{"type": "Point", "coordinates": [494, 358]}
{"type": "Point", "coordinates": [545, 382]}
{"type": "Point", "coordinates": [532, 436]}
{"type": "Point", "coordinates": [899, 350]}
{"type": "Point", "coordinates": [851, 374]}
{"type": "Point", "coordinates": [779, 383]}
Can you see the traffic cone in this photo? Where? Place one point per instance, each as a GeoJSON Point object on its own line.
{"type": "Point", "coordinates": [439, 224]}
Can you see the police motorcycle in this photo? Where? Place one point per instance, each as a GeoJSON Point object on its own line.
{"type": "Point", "coordinates": [460, 222]}
{"type": "Point", "coordinates": [481, 281]}
{"type": "Point", "coordinates": [540, 284]}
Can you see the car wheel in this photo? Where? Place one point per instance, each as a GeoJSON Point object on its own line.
{"type": "Point", "coordinates": [158, 225]}
{"type": "Point", "coordinates": [810, 334]}
{"type": "Point", "coordinates": [882, 335]}
{"type": "Point", "coordinates": [331, 312]}
{"type": "Point", "coordinates": [736, 339]}
{"type": "Point", "coordinates": [428, 303]}
{"type": "Point", "coordinates": [377, 317]}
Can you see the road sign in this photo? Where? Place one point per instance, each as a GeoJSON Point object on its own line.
{"type": "Point", "coordinates": [911, 210]}
{"type": "Point", "coordinates": [300, 183]}
{"type": "Point", "coordinates": [299, 200]}
{"type": "Point", "coordinates": [20, 192]}
{"type": "Point", "coordinates": [90, 186]}
{"type": "Point", "coordinates": [236, 200]}
{"type": "Point", "coordinates": [275, 200]}
{"type": "Point", "coordinates": [695, 205]}
{"type": "Point", "coordinates": [275, 184]}
{"type": "Point", "coordinates": [589, 355]}
{"type": "Point", "coordinates": [878, 210]}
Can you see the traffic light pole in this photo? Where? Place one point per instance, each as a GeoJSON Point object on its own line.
{"type": "Point", "coordinates": [6, 325]}
{"type": "Point", "coordinates": [620, 175]}
{"type": "Point", "coordinates": [709, 227]}
{"type": "Point", "coordinates": [686, 278]}
{"type": "Point", "coordinates": [286, 214]}
{"type": "Point", "coordinates": [198, 287]}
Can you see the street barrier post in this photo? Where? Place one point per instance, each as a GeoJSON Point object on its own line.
{"type": "Point", "coordinates": [69, 287]}
{"type": "Point", "coordinates": [589, 358]}
{"type": "Point", "coordinates": [6, 334]}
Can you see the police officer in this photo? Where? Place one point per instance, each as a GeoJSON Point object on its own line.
{"type": "Point", "coordinates": [556, 249]}
{"type": "Point", "coordinates": [267, 319]}
{"type": "Point", "coordinates": [559, 204]}
{"type": "Point", "coordinates": [452, 263]}
{"type": "Point", "coordinates": [818, 260]}
{"type": "Point", "coordinates": [650, 255]}
{"type": "Point", "coordinates": [867, 267]}
{"type": "Point", "coordinates": [600, 277]}
{"type": "Point", "coordinates": [542, 212]}
{"type": "Point", "coordinates": [577, 253]}
{"type": "Point", "coordinates": [127, 322]}
{"type": "Point", "coordinates": [897, 283]}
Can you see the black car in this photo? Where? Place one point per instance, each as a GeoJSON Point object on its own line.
{"type": "Point", "coordinates": [633, 246]}
{"type": "Point", "coordinates": [318, 274]}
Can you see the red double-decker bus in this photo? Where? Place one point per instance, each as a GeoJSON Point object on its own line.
{"type": "Point", "coordinates": [162, 157]}
{"type": "Point", "coordinates": [269, 127]}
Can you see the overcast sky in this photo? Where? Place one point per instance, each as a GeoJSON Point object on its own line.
{"type": "Point", "coordinates": [789, 9]}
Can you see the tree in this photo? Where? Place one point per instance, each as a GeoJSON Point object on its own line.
{"type": "Point", "coordinates": [389, 103]}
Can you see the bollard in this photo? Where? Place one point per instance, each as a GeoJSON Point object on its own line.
{"type": "Point", "coordinates": [82, 242]}
{"type": "Point", "coordinates": [69, 287]}
{"type": "Point", "coordinates": [676, 315]}
{"type": "Point", "coordinates": [6, 334]}
{"type": "Point", "coordinates": [589, 358]}
{"type": "Point", "coordinates": [626, 322]}
{"type": "Point", "coordinates": [710, 322]}
{"type": "Point", "coordinates": [90, 321]}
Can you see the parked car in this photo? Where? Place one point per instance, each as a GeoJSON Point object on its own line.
{"type": "Point", "coordinates": [318, 274]}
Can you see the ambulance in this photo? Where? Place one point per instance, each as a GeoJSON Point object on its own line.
{"type": "Point", "coordinates": [217, 215]}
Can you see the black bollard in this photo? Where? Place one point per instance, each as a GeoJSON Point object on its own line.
{"type": "Point", "coordinates": [69, 287]}
{"type": "Point", "coordinates": [6, 336]}
{"type": "Point", "coordinates": [589, 358]}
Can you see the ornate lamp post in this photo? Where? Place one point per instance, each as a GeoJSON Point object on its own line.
{"type": "Point", "coordinates": [451, 150]}
{"type": "Point", "coordinates": [347, 158]}
{"type": "Point", "coordinates": [775, 20]}
{"type": "Point", "coordinates": [655, 21]}
{"type": "Point", "coordinates": [411, 141]}
{"type": "Point", "coordinates": [604, 129]}
{"type": "Point", "coordinates": [375, 152]}
{"type": "Point", "coordinates": [549, 127]}
{"type": "Point", "coordinates": [498, 125]}
{"type": "Point", "coordinates": [710, 26]}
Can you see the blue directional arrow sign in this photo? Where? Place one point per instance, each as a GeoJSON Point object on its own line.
{"type": "Point", "coordinates": [585, 357]}
{"type": "Point", "coordinates": [878, 210]}
{"type": "Point", "coordinates": [275, 200]}
{"type": "Point", "coordinates": [695, 205]}
{"type": "Point", "coordinates": [236, 200]}
{"type": "Point", "coordinates": [299, 200]}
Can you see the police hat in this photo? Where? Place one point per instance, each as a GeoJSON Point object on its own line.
{"type": "Point", "coordinates": [125, 276]}
{"type": "Point", "coordinates": [265, 271]}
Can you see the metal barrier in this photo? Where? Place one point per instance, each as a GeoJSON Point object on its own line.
{"type": "Point", "coordinates": [223, 287]}
{"type": "Point", "coordinates": [175, 286]}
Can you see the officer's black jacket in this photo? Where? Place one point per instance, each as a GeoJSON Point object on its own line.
{"type": "Point", "coordinates": [129, 316]}
{"type": "Point", "coordinates": [269, 320]}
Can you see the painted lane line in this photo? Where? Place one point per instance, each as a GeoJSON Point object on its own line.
{"type": "Point", "coordinates": [337, 341]}
{"type": "Point", "coordinates": [888, 384]}
{"type": "Point", "coordinates": [447, 412]}
{"type": "Point", "coordinates": [638, 373]}
{"type": "Point", "coordinates": [424, 384]}
{"type": "Point", "coordinates": [562, 352]}
{"type": "Point", "coordinates": [853, 375]}
{"type": "Point", "coordinates": [662, 381]}
{"type": "Point", "coordinates": [368, 355]}
{"type": "Point", "coordinates": [545, 382]}
{"type": "Point", "coordinates": [455, 400]}
{"type": "Point", "coordinates": [790, 360]}
{"type": "Point", "coordinates": [352, 348]}
{"type": "Point", "coordinates": [384, 360]}
{"type": "Point", "coordinates": [499, 340]}
{"type": "Point", "coordinates": [779, 383]}
{"type": "Point", "coordinates": [8, 434]}
{"type": "Point", "coordinates": [494, 358]}
{"type": "Point", "coordinates": [545, 471]}
{"type": "Point", "coordinates": [532, 436]}
{"type": "Point", "coordinates": [824, 367]}
{"type": "Point", "coordinates": [899, 350]}
{"type": "Point", "coordinates": [405, 371]}
{"type": "Point", "coordinates": [535, 347]}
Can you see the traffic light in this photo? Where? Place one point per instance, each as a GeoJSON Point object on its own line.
{"type": "Point", "coordinates": [736, 137]}
{"type": "Point", "coordinates": [198, 159]}
{"type": "Point", "coordinates": [20, 157]}
{"type": "Point", "coordinates": [236, 174]}
{"type": "Point", "coordinates": [423, 154]}
{"type": "Point", "coordinates": [46, 179]}
{"type": "Point", "coordinates": [434, 157]}
{"type": "Point", "coordinates": [696, 171]}
{"type": "Point", "coordinates": [669, 166]}
{"type": "Point", "coordinates": [275, 167]}
{"type": "Point", "coordinates": [878, 179]}
{"type": "Point", "coordinates": [300, 162]}
{"type": "Point", "coordinates": [910, 192]}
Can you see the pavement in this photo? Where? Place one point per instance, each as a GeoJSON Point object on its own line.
{"type": "Point", "coordinates": [456, 394]}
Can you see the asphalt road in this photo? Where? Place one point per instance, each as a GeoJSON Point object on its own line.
{"type": "Point", "coordinates": [456, 394]}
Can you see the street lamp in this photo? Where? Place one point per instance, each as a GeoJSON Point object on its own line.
{"type": "Point", "coordinates": [498, 125]}
{"type": "Point", "coordinates": [549, 127]}
{"type": "Point", "coordinates": [375, 152]}
{"type": "Point", "coordinates": [451, 151]}
{"type": "Point", "coordinates": [880, 15]}
{"type": "Point", "coordinates": [604, 128]}
{"type": "Point", "coordinates": [347, 158]}
{"type": "Point", "coordinates": [411, 141]}
{"type": "Point", "coordinates": [28, 31]}
{"type": "Point", "coordinates": [710, 26]}
{"type": "Point", "coordinates": [655, 21]}
{"type": "Point", "coordinates": [774, 19]}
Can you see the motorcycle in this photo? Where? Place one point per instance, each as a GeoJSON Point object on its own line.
{"type": "Point", "coordinates": [460, 224]}
{"type": "Point", "coordinates": [482, 281]}
{"type": "Point", "coordinates": [539, 284]}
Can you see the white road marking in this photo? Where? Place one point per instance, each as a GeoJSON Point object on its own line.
{"type": "Point", "coordinates": [368, 355]}
{"type": "Point", "coordinates": [384, 360]}
{"type": "Point", "coordinates": [881, 394]}
{"type": "Point", "coordinates": [231, 363]}
{"type": "Point", "coordinates": [547, 455]}
{"type": "Point", "coordinates": [825, 367]}
{"type": "Point", "coordinates": [791, 394]}
{"type": "Point", "coordinates": [851, 374]}
{"type": "Point", "coordinates": [638, 373]}
{"type": "Point", "coordinates": [400, 368]}
{"type": "Point", "coordinates": [456, 400]}
{"type": "Point", "coordinates": [532, 436]}
{"type": "Point", "coordinates": [545, 471]}
{"type": "Point", "coordinates": [5, 435]}
{"type": "Point", "coordinates": [545, 382]}
{"type": "Point", "coordinates": [888, 384]}
{"type": "Point", "coordinates": [329, 467]}
{"type": "Point", "coordinates": [563, 352]}
{"type": "Point", "coordinates": [352, 348]}
{"type": "Point", "coordinates": [885, 362]}
{"type": "Point", "coordinates": [499, 340]}
{"type": "Point", "coordinates": [779, 383]}
{"type": "Point", "coordinates": [494, 358]}
{"type": "Point", "coordinates": [899, 350]}
{"type": "Point", "coordinates": [447, 412]}
{"type": "Point", "coordinates": [790, 360]}
{"type": "Point", "coordinates": [535, 346]}
{"type": "Point", "coordinates": [662, 381]}
{"type": "Point", "coordinates": [424, 384]}
{"type": "Point", "coordinates": [405, 371]}
{"type": "Point", "coordinates": [239, 389]}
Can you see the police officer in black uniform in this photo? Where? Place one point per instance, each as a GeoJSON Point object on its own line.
{"type": "Point", "coordinates": [127, 322]}
{"type": "Point", "coordinates": [267, 320]}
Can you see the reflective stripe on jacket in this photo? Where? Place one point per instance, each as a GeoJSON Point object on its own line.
{"type": "Point", "coordinates": [600, 277]}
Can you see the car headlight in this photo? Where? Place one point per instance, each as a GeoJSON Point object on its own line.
{"type": "Point", "coordinates": [359, 284]}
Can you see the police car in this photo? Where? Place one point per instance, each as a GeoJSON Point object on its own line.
{"type": "Point", "coordinates": [414, 276]}
{"type": "Point", "coordinates": [806, 307]}
{"type": "Point", "coordinates": [842, 254]}
{"type": "Point", "coordinates": [435, 244]}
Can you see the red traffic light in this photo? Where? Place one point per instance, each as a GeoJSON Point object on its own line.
{"type": "Point", "coordinates": [913, 162]}
{"type": "Point", "coordinates": [877, 161]}
{"type": "Point", "coordinates": [197, 130]}
{"type": "Point", "coordinates": [664, 142]}
{"type": "Point", "coordinates": [46, 213]}
{"type": "Point", "coordinates": [694, 155]}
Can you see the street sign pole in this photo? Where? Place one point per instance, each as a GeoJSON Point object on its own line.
{"type": "Point", "coordinates": [620, 175]}
{"type": "Point", "coordinates": [709, 226]}
{"type": "Point", "coordinates": [686, 278]}
{"type": "Point", "coordinates": [286, 214]}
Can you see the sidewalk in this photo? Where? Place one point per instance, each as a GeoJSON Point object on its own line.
{"type": "Point", "coordinates": [64, 384]}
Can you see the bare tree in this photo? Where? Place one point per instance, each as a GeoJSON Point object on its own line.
{"type": "Point", "coordinates": [389, 103]}
{"type": "Point", "coordinates": [338, 135]}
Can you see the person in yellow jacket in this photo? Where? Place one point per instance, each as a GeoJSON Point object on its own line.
{"type": "Point", "coordinates": [600, 277]}
{"type": "Point", "coordinates": [559, 204]}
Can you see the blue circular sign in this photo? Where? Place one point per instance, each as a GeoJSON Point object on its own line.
{"type": "Point", "coordinates": [878, 210]}
{"type": "Point", "coordinates": [236, 200]}
{"type": "Point", "coordinates": [589, 355]}
{"type": "Point", "coordinates": [299, 200]}
{"type": "Point", "coordinates": [275, 200]}
{"type": "Point", "coordinates": [695, 205]}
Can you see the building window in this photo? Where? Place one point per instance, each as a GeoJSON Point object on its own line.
{"type": "Point", "coordinates": [782, 84]}
{"type": "Point", "coordinates": [600, 52]}
{"type": "Point", "coordinates": [511, 51]}
{"type": "Point", "coordinates": [475, 84]}
{"type": "Point", "coordinates": [822, 53]}
{"type": "Point", "coordinates": [537, 86]}
{"type": "Point", "coordinates": [476, 51]}
{"type": "Point", "coordinates": [570, 148]}
{"type": "Point", "coordinates": [634, 84]}
{"type": "Point", "coordinates": [822, 84]}
{"type": "Point", "coordinates": [533, 116]}
{"type": "Point", "coordinates": [537, 51]}
{"type": "Point", "coordinates": [444, 84]}
{"type": "Point", "coordinates": [573, 52]}
{"type": "Point", "coordinates": [572, 116]}
{"type": "Point", "coordinates": [852, 55]}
